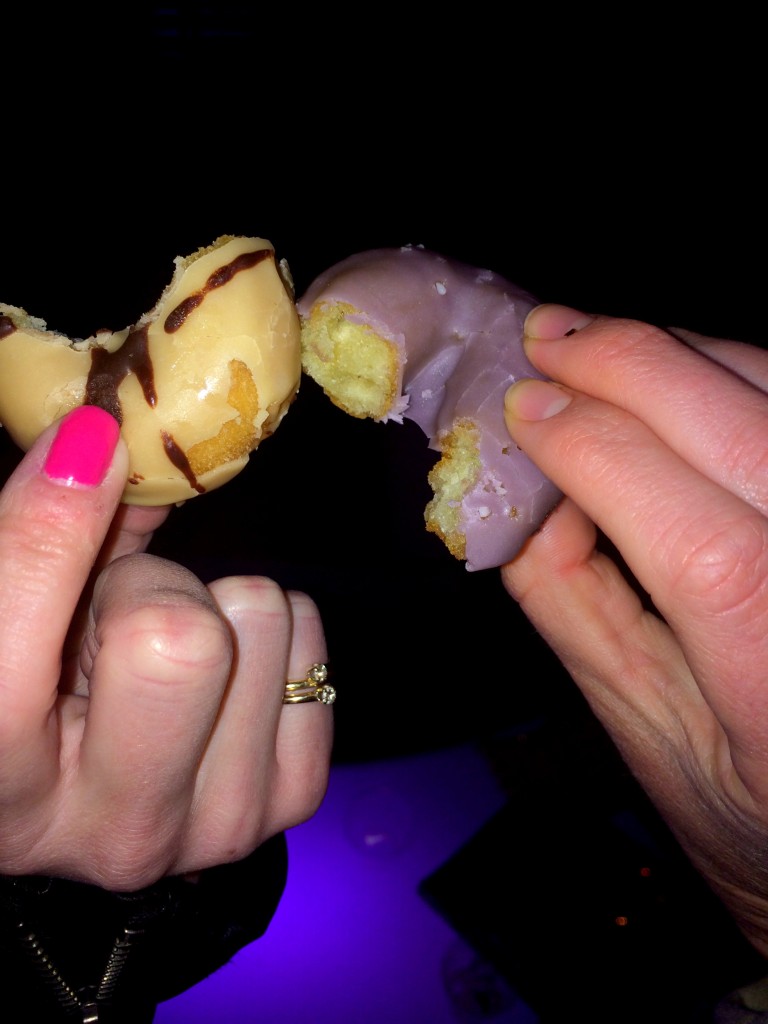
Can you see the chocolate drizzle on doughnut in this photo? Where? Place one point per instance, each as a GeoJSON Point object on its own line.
{"type": "Point", "coordinates": [222, 276]}
{"type": "Point", "coordinates": [108, 370]}
{"type": "Point", "coordinates": [195, 384]}
{"type": "Point", "coordinates": [7, 326]}
{"type": "Point", "coordinates": [180, 461]}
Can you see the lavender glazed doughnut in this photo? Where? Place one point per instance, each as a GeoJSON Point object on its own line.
{"type": "Point", "coordinates": [393, 333]}
{"type": "Point", "coordinates": [196, 384]}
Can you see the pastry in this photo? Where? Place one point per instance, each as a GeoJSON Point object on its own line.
{"type": "Point", "coordinates": [393, 333]}
{"type": "Point", "coordinates": [196, 384]}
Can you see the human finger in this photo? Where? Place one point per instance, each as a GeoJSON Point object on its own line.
{"type": "Point", "coordinates": [710, 787]}
{"type": "Point", "coordinates": [748, 361]}
{"type": "Point", "coordinates": [714, 419]}
{"type": "Point", "coordinates": [265, 770]}
{"type": "Point", "coordinates": [699, 551]}
{"type": "Point", "coordinates": [55, 511]}
{"type": "Point", "coordinates": [131, 531]}
{"type": "Point", "coordinates": [157, 658]}
{"type": "Point", "coordinates": [625, 660]}
{"type": "Point", "coordinates": [305, 734]}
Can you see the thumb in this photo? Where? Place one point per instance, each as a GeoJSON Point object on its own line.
{"type": "Point", "coordinates": [55, 510]}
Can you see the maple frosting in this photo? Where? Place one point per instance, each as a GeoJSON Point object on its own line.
{"type": "Point", "coordinates": [196, 384]}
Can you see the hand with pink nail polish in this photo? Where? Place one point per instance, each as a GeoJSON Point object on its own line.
{"type": "Point", "coordinates": [659, 441]}
{"type": "Point", "coordinates": [143, 729]}
{"type": "Point", "coordinates": [145, 745]}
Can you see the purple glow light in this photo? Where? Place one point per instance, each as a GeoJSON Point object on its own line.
{"type": "Point", "coordinates": [352, 941]}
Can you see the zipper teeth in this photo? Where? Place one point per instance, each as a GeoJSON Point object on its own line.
{"type": "Point", "coordinates": [87, 1002]}
{"type": "Point", "coordinates": [66, 996]}
{"type": "Point", "coordinates": [121, 950]}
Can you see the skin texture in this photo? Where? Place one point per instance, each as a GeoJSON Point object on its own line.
{"type": "Point", "coordinates": [142, 730]}
{"type": "Point", "coordinates": [659, 443]}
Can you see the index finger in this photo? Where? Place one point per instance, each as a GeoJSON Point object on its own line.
{"type": "Point", "coordinates": [715, 419]}
{"type": "Point", "coordinates": [131, 531]}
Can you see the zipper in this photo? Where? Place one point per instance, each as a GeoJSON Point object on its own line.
{"type": "Point", "coordinates": [85, 1004]}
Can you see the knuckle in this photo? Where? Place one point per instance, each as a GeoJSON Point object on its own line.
{"type": "Point", "coordinates": [124, 874]}
{"type": "Point", "coordinates": [725, 572]}
{"type": "Point", "coordinates": [747, 461]}
{"type": "Point", "coordinates": [130, 854]}
{"type": "Point", "coordinates": [233, 832]}
{"type": "Point", "coordinates": [228, 834]}
{"type": "Point", "coordinates": [166, 642]}
{"type": "Point", "coordinates": [112, 857]}
{"type": "Point", "coordinates": [240, 844]}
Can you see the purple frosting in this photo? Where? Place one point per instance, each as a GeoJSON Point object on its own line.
{"type": "Point", "coordinates": [459, 332]}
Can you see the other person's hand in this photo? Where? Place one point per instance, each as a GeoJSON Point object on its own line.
{"type": "Point", "coordinates": [660, 442]}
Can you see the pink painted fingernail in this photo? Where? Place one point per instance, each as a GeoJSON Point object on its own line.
{"type": "Point", "coordinates": [81, 452]}
{"type": "Point", "coordinates": [535, 400]}
{"type": "Point", "coordinates": [550, 321]}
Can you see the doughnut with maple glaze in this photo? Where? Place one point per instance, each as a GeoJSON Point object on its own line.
{"type": "Point", "coordinates": [393, 333]}
{"type": "Point", "coordinates": [196, 384]}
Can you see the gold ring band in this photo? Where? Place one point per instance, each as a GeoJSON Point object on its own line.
{"type": "Point", "coordinates": [313, 687]}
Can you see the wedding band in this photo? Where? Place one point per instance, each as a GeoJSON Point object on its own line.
{"type": "Point", "coordinates": [312, 687]}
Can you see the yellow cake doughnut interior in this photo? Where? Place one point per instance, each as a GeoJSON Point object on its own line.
{"type": "Point", "coordinates": [356, 368]}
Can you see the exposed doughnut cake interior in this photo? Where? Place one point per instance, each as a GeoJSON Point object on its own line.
{"type": "Point", "coordinates": [358, 368]}
{"type": "Point", "coordinates": [393, 333]}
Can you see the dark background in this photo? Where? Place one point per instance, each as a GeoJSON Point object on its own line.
{"type": "Point", "coordinates": [616, 167]}
{"type": "Point", "coordinates": [613, 167]}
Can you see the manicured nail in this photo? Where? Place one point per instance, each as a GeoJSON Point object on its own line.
{"type": "Point", "coordinates": [82, 450]}
{"type": "Point", "coordinates": [550, 321]}
{"type": "Point", "coordinates": [535, 400]}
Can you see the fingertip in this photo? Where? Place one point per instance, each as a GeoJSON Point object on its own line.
{"type": "Point", "coordinates": [534, 400]}
{"type": "Point", "coordinates": [302, 605]}
{"type": "Point", "coordinates": [550, 321]}
{"type": "Point", "coordinates": [82, 450]}
{"type": "Point", "coordinates": [258, 594]}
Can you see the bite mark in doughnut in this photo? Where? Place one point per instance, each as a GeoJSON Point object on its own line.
{"type": "Point", "coordinates": [196, 384]}
{"type": "Point", "coordinates": [393, 333]}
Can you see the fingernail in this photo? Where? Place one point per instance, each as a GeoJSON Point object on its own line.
{"type": "Point", "coordinates": [81, 452]}
{"type": "Point", "coordinates": [535, 400]}
{"type": "Point", "coordinates": [550, 321]}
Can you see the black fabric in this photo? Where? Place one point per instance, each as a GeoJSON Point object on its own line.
{"type": "Point", "coordinates": [59, 937]}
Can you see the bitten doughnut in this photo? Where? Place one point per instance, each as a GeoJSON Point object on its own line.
{"type": "Point", "coordinates": [393, 333]}
{"type": "Point", "coordinates": [196, 384]}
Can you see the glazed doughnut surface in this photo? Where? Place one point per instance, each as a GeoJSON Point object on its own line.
{"type": "Point", "coordinates": [196, 384]}
{"type": "Point", "coordinates": [393, 333]}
